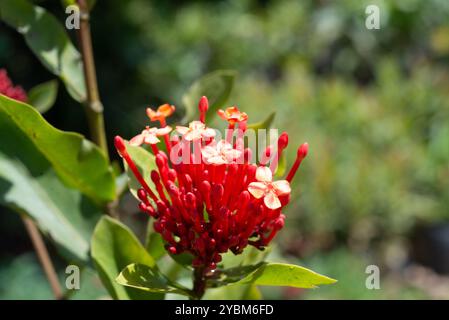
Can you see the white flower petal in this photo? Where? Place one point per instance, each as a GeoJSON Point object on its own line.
{"type": "Point", "coordinates": [137, 140]}
{"type": "Point", "coordinates": [209, 152]}
{"type": "Point", "coordinates": [151, 139]}
{"type": "Point", "coordinates": [282, 187]}
{"type": "Point", "coordinates": [257, 189]}
{"type": "Point", "coordinates": [264, 174]}
{"type": "Point", "coordinates": [182, 130]}
{"type": "Point", "coordinates": [208, 133]}
{"type": "Point", "coordinates": [163, 131]}
{"type": "Point", "coordinates": [271, 201]}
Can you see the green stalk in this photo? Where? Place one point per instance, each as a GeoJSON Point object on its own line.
{"type": "Point", "coordinates": [93, 105]}
{"type": "Point", "coordinates": [199, 282]}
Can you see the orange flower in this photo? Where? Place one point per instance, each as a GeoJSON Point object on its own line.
{"type": "Point", "coordinates": [162, 112]}
{"type": "Point", "coordinates": [268, 189]}
{"type": "Point", "coordinates": [232, 115]}
{"type": "Point", "coordinates": [149, 136]}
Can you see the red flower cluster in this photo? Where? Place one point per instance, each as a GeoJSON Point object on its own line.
{"type": "Point", "coordinates": [8, 89]}
{"type": "Point", "coordinates": [216, 203]}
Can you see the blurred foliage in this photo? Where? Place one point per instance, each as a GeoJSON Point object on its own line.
{"type": "Point", "coordinates": [373, 105]}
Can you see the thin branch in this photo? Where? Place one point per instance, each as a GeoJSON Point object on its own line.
{"type": "Point", "coordinates": [44, 257]}
{"type": "Point", "coordinates": [93, 105]}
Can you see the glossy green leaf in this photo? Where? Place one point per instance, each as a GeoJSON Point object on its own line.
{"type": "Point", "coordinates": [48, 40]}
{"type": "Point", "coordinates": [272, 274]}
{"type": "Point", "coordinates": [154, 242]}
{"type": "Point", "coordinates": [145, 162]}
{"type": "Point", "coordinates": [114, 247]}
{"type": "Point", "coordinates": [30, 185]}
{"type": "Point", "coordinates": [242, 292]}
{"type": "Point", "coordinates": [149, 279]}
{"type": "Point", "coordinates": [43, 96]}
{"type": "Point", "coordinates": [265, 124]}
{"type": "Point", "coordinates": [76, 160]}
{"type": "Point", "coordinates": [216, 86]}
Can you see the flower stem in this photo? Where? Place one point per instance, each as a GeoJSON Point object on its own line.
{"type": "Point", "coordinates": [44, 257]}
{"type": "Point", "coordinates": [93, 105]}
{"type": "Point", "coordinates": [199, 282]}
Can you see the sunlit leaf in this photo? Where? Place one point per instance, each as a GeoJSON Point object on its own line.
{"type": "Point", "coordinates": [114, 247]}
{"type": "Point", "coordinates": [271, 274]}
{"type": "Point", "coordinates": [148, 279]}
{"type": "Point", "coordinates": [77, 161]}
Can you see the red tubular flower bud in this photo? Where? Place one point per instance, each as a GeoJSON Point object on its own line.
{"type": "Point", "coordinates": [282, 144]}
{"type": "Point", "coordinates": [119, 144]}
{"type": "Point", "coordinates": [300, 155]}
{"type": "Point", "coordinates": [303, 150]}
{"type": "Point", "coordinates": [203, 105]}
{"type": "Point", "coordinates": [266, 155]}
{"type": "Point", "coordinates": [142, 195]}
{"type": "Point", "coordinates": [243, 126]}
{"type": "Point", "coordinates": [283, 141]}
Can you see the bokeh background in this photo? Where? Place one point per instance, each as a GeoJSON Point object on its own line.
{"type": "Point", "coordinates": [373, 105]}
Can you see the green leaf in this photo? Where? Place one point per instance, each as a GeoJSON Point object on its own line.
{"type": "Point", "coordinates": [77, 161]}
{"type": "Point", "coordinates": [43, 96]}
{"type": "Point", "coordinates": [282, 166]}
{"type": "Point", "coordinates": [48, 40]}
{"type": "Point", "coordinates": [145, 162]}
{"type": "Point", "coordinates": [216, 86]}
{"type": "Point", "coordinates": [114, 247]}
{"type": "Point", "coordinates": [149, 279]}
{"type": "Point", "coordinates": [21, 277]}
{"type": "Point", "coordinates": [272, 274]}
{"type": "Point", "coordinates": [243, 292]}
{"type": "Point", "coordinates": [154, 242]}
{"type": "Point", "coordinates": [265, 124]}
{"type": "Point", "coordinates": [184, 259]}
{"type": "Point", "coordinates": [29, 183]}
{"type": "Point", "coordinates": [249, 256]}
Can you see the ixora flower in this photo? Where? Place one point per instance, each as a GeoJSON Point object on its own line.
{"type": "Point", "coordinates": [149, 136]}
{"type": "Point", "coordinates": [220, 153]}
{"type": "Point", "coordinates": [8, 89]}
{"type": "Point", "coordinates": [233, 115]}
{"type": "Point", "coordinates": [222, 202]}
{"type": "Point", "coordinates": [197, 130]}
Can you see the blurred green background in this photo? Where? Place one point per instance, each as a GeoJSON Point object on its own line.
{"type": "Point", "coordinates": [373, 105]}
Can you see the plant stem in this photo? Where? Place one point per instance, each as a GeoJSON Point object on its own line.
{"type": "Point", "coordinates": [93, 105]}
{"type": "Point", "coordinates": [44, 257]}
{"type": "Point", "coordinates": [199, 282]}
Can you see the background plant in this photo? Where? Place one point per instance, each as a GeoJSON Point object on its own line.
{"type": "Point", "coordinates": [374, 105]}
